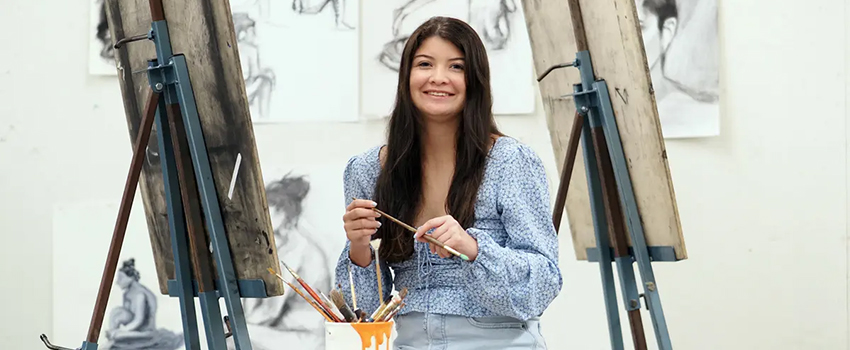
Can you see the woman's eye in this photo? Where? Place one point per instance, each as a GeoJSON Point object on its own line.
{"type": "Point", "coordinates": [457, 66]}
{"type": "Point", "coordinates": [423, 64]}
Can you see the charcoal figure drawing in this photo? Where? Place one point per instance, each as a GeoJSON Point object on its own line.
{"type": "Point", "coordinates": [102, 34]}
{"type": "Point", "coordinates": [684, 111]}
{"type": "Point", "coordinates": [288, 319]}
{"type": "Point", "coordinates": [132, 326]}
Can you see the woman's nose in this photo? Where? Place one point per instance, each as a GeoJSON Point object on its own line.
{"type": "Point", "coordinates": [438, 76]}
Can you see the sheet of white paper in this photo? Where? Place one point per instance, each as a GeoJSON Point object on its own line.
{"type": "Point", "coordinates": [299, 59]}
{"type": "Point", "coordinates": [684, 66]}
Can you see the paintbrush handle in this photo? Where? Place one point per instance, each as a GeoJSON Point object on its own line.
{"type": "Point", "coordinates": [317, 298]}
{"type": "Point", "coordinates": [427, 238]}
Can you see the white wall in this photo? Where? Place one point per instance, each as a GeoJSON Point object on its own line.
{"type": "Point", "coordinates": [764, 205]}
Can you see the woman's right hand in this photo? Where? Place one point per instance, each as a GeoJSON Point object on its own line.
{"type": "Point", "coordinates": [360, 222]}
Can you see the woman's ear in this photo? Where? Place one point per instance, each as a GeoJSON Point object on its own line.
{"type": "Point", "coordinates": [668, 31]}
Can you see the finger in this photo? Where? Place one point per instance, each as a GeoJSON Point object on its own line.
{"type": "Point", "coordinates": [361, 203]}
{"type": "Point", "coordinates": [358, 213]}
{"type": "Point", "coordinates": [360, 224]}
{"type": "Point", "coordinates": [435, 222]}
{"type": "Point", "coordinates": [441, 233]}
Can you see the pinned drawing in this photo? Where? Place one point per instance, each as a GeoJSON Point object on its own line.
{"type": "Point", "coordinates": [101, 59]}
{"type": "Point", "coordinates": [288, 319]}
{"type": "Point", "coordinates": [132, 325]}
{"type": "Point", "coordinates": [680, 39]}
{"type": "Point", "coordinates": [499, 23]}
{"type": "Point", "coordinates": [313, 44]}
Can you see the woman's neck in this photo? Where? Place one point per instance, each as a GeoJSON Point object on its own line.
{"type": "Point", "coordinates": [439, 143]}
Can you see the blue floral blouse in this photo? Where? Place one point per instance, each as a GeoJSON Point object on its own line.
{"type": "Point", "coordinates": [516, 272]}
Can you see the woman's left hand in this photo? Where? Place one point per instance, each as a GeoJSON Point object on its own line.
{"type": "Point", "coordinates": [449, 232]}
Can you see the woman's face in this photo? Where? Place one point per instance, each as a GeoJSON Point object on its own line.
{"type": "Point", "coordinates": [437, 80]}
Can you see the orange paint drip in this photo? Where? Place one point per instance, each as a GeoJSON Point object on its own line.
{"type": "Point", "coordinates": [378, 330]}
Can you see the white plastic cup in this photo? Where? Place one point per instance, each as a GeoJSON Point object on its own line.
{"type": "Point", "coordinates": [358, 336]}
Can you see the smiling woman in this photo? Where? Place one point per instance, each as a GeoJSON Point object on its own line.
{"type": "Point", "coordinates": [437, 79]}
{"type": "Point", "coordinates": [448, 170]}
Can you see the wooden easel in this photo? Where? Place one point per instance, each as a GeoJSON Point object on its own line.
{"type": "Point", "coordinates": [202, 262]}
{"type": "Point", "coordinates": [615, 207]}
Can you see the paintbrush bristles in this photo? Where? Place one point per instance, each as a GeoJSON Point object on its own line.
{"type": "Point", "coordinates": [339, 301]}
{"type": "Point", "coordinates": [351, 283]}
{"type": "Point", "coordinates": [376, 245]}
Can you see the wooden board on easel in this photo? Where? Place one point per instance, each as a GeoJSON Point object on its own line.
{"type": "Point", "coordinates": [616, 47]}
{"type": "Point", "coordinates": [203, 31]}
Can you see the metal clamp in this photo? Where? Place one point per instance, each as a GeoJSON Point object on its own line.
{"type": "Point", "coordinates": [123, 41]}
{"type": "Point", "coordinates": [557, 66]}
{"type": "Point", "coordinates": [51, 346]}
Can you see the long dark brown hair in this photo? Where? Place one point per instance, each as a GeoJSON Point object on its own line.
{"type": "Point", "coordinates": [398, 190]}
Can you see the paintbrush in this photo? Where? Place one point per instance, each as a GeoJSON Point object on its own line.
{"type": "Point", "coordinates": [310, 291]}
{"type": "Point", "coordinates": [319, 309]}
{"type": "Point", "coordinates": [376, 245]}
{"type": "Point", "coordinates": [351, 283]}
{"type": "Point", "coordinates": [357, 312]}
{"type": "Point", "coordinates": [427, 237]}
{"type": "Point", "coordinates": [339, 301]}
{"type": "Point", "coordinates": [392, 313]}
{"type": "Point", "coordinates": [332, 306]}
{"type": "Point", "coordinates": [381, 313]}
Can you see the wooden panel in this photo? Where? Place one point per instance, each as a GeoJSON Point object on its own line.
{"type": "Point", "coordinates": [202, 30]}
{"type": "Point", "coordinates": [615, 43]}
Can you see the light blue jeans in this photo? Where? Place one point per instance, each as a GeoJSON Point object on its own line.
{"type": "Point", "coordinates": [446, 332]}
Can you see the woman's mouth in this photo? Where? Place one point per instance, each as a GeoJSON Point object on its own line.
{"type": "Point", "coordinates": [438, 94]}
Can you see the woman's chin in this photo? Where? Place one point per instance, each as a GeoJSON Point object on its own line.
{"type": "Point", "coordinates": [440, 114]}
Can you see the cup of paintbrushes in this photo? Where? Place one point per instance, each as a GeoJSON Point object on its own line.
{"type": "Point", "coordinates": [359, 336]}
{"type": "Point", "coordinates": [356, 332]}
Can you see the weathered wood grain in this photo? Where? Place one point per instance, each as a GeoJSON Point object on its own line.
{"type": "Point", "coordinates": [202, 30]}
{"type": "Point", "coordinates": [614, 41]}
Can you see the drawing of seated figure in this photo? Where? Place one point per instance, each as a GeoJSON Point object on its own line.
{"type": "Point", "coordinates": [259, 80]}
{"type": "Point", "coordinates": [132, 326]}
{"type": "Point", "coordinates": [288, 320]}
{"type": "Point", "coordinates": [488, 17]}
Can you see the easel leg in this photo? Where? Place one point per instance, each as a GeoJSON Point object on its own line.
{"type": "Point", "coordinates": [566, 174]}
{"type": "Point", "coordinates": [626, 194]}
{"type": "Point", "coordinates": [199, 253]}
{"type": "Point", "coordinates": [600, 225]}
{"type": "Point", "coordinates": [614, 215]}
{"type": "Point", "coordinates": [177, 225]}
{"type": "Point", "coordinates": [127, 198]}
{"type": "Point", "coordinates": [206, 187]}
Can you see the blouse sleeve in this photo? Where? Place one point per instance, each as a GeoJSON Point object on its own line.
{"type": "Point", "coordinates": [521, 278]}
{"type": "Point", "coordinates": [365, 279]}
